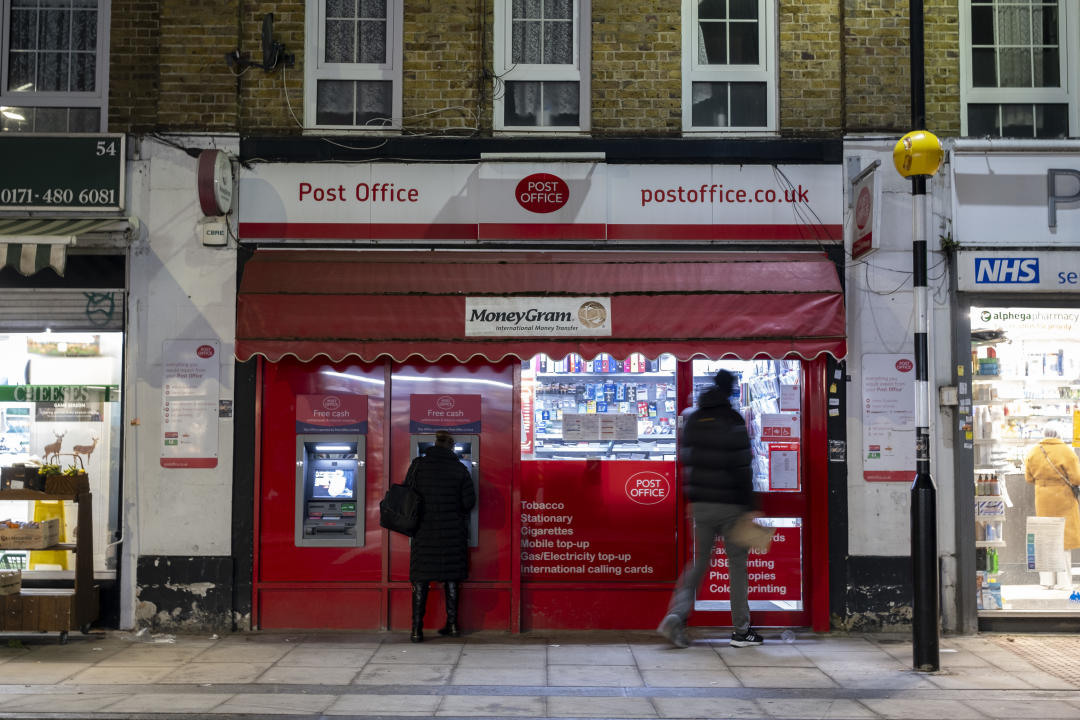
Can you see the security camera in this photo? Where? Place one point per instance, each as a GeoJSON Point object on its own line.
{"type": "Point", "coordinates": [272, 52]}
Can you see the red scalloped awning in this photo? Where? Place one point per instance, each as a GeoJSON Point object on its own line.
{"type": "Point", "coordinates": [369, 304]}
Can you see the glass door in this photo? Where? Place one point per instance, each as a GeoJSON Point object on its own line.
{"type": "Point", "coordinates": [770, 398]}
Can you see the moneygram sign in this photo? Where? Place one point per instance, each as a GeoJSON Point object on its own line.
{"type": "Point", "coordinates": [538, 317]}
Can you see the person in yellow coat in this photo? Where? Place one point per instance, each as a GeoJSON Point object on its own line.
{"type": "Point", "coordinates": [1052, 467]}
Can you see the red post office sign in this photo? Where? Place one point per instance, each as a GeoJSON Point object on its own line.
{"type": "Point", "coordinates": [594, 521]}
{"type": "Point", "coordinates": [331, 414]}
{"type": "Point", "coordinates": [455, 413]}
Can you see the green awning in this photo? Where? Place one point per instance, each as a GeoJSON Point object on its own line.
{"type": "Point", "coordinates": [33, 244]}
{"type": "Point", "coordinates": [29, 258]}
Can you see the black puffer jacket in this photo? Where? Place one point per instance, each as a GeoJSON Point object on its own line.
{"type": "Point", "coordinates": [715, 453]}
{"type": "Point", "coordinates": [440, 548]}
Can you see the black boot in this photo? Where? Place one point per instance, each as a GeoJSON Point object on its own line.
{"type": "Point", "coordinates": [452, 587]}
{"type": "Point", "coordinates": [419, 604]}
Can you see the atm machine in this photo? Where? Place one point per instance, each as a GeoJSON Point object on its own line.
{"type": "Point", "coordinates": [467, 448]}
{"type": "Point", "coordinates": [330, 483]}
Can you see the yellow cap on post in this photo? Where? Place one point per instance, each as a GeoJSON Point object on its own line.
{"type": "Point", "coordinates": [918, 153]}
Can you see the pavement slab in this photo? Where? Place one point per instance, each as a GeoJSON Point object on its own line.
{"type": "Point", "coordinates": [612, 675]}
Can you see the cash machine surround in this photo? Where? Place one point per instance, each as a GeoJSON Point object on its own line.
{"type": "Point", "coordinates": [330, 482]}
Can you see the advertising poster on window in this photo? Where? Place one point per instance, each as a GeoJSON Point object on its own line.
{"type": "Point", "coordinates": [338, 413]}
{"type": "Point", "coordinates": [784, 467]}
{"type": "Point", "coordinates": [588, 520]}
{"type": "Point", "coordinates": [888, 389]}
{"type": "Point", "coordinates": [773, 576]}
{"type": "Point", "coordinates": [69, 428]}
{"type": "Point", "coordinates": [454, 413]}
{"type": "Point", "coordinates": [189, 403]}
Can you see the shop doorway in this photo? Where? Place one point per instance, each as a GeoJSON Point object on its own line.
{"type": "Point", "coordinates": [1025, 377]}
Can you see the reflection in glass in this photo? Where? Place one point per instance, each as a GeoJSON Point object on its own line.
{"type": "Point", "coordinates": [359, 103]}
{"type": "Point", "coordinates": [542, 104]}
{"type": "Point", "coordinates": [724, 104]}
{"type": "Point", "coordinates": [542, 33]}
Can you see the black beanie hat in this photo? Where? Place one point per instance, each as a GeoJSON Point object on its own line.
{"type": "Point", "coordinates": [725, 381]}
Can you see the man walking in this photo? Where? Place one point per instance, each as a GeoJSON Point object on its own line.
{"type": "Point", "coordinates": [718, 484]}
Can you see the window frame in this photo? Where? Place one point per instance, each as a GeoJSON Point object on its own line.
{"type": "Point", "coordinates": [1068, 93]}
{"type": "Point", "coordinates": [507, 71]}
{"type": "Point", "coordinates": [98, 99]}
{"type": "Point", "coordinates": [766, 71]}
{"type": "Point", "coordinates": [315, 68]}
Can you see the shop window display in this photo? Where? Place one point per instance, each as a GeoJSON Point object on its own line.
{"type": "Point", "coordinates": [605, 407]}
{"type": "Point", "coordinates": [1025, 386]}
{"type": "Point", "coordinates": [769, 399]}
{"type": "Point", "coordinates": [60, 405]}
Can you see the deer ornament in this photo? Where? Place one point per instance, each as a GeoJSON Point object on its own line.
{"type": "Point", "coordinates": [52, 450]}
{"type": "Point", "coordinates": [85, 450]}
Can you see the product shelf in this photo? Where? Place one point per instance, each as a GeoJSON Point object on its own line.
{"type": "Point", "coordinates": [1012, 441]}
{"type": "Point", "coordinates": [983, 379]}
{"type": "Point", "coordinates": [56, 609]}
{"type": "Point", "coordinates": [645, 438]}
{"type": "Point", "coordinates": [636, 376]}
{"type": "Point", "coordinates": [1008, 401]}
{"type": "Point", "coordinates": [990, 543]}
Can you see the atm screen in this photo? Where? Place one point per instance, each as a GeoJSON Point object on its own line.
{"type": "Point", "coordinates": [461, 449]}
{"type": "Point", "coordinates": [337, 483]}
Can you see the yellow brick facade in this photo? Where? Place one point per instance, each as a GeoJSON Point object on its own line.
{"type": "Point", "coordinates": [843, 67]}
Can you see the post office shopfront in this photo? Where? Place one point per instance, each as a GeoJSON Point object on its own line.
{"type": "Point", "coordinates": [562, 373]}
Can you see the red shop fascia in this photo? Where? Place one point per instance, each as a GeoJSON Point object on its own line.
{"type": "Point", "coordinates": [580, 522]}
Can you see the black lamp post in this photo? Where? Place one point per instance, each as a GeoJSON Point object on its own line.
{"type": "Point", "coordinates": [918, 155]}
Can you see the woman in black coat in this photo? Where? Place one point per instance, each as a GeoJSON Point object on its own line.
{"type": "Point", "coordinates": [440, 548]}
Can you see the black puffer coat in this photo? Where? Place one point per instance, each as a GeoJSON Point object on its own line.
{"type": "Point", "coordinates": [715, 453]}
{"type": "Point", "coordinates": [440, 548]}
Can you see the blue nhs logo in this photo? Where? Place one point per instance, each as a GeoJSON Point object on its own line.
{"type": "Point", "coordinates": [1007, 270]}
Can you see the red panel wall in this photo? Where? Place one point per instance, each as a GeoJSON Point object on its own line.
{"type": "Point", "coordinates": [280, 559]}
{"type": "Point", "coordinates": [320, 608]}
{"type": "Point", "coordinates": [489, 561]}
{"type": "Point", "coordinates": [367, 587]}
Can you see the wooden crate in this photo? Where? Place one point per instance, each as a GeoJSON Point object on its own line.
{"type": "Point", "coordinates": [10, 582]}
{"type": "Point", "coordinates": [46, 534]}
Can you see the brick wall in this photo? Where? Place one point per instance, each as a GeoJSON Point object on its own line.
{"type": "Point", "coordinates": [197, 91]}
{"type": "Point", "coordinates": [843, 66]}
{"type": "Point", "coordinates": [636, 67]}
{"type": "Point", "coordinates": [811, 88]}
{"type": "Point", "coordinates": [446, 44]}
{"type": "Point", "coordinates": [264, 106]}
{"type": "Point", "coordinates": [878, 66]}
{"type": "Point", "coordinates": [942, 43]}
{"type": "Point", "coordinates": [133, 65]}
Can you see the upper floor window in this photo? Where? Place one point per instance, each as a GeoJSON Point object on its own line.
{"type": "Point", "coordinates": [1015, 68]}
{"type": "Point", "coordinates": [352, 69]}
{"type": "Point", "coordinates": [542, 64]}
{"type": "Point", "coordinates": [54, 65]}
{"type": "Point", "coordinates": [729, 65]}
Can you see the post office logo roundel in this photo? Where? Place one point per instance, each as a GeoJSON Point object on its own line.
{"type": "Point", "coordinates": [592, 314]}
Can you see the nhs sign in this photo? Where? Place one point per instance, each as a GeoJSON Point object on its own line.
{"type": "Point", "coordinates": [1018, 271]}
{"type": "Point", "coordinates": [1006, 270]}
